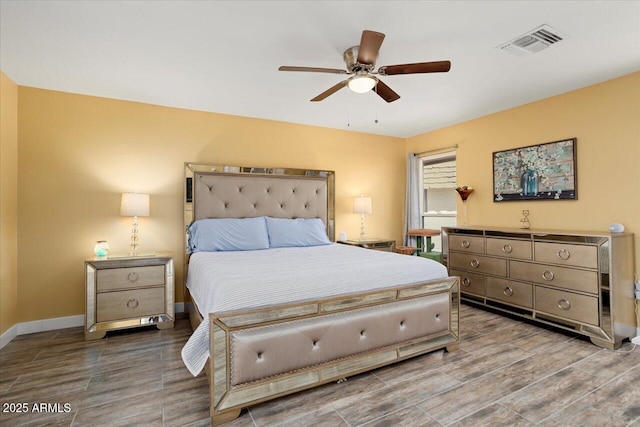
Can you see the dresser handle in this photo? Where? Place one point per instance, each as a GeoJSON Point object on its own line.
{"type": "Point", "coordinates": [564, 304]}
{"type": "Point", "coordinates": [475, 263]}
{"type": "Point", "coordinates": [465, 244]}
{"type": "Point", "coordinates": [507, 249]}
{"type": "Point", "coordinates": [133, 277]}
{"type": "Point", "coordinates": [133, 303]}
{"type": "Point", "coordinates": [466, 281]}
{"type": "Point", "coordinates": [508, 291]}
{"type": "Point", "coordinates": [547, 275]}
{"type": "Point", "coordinates": [563, 254]}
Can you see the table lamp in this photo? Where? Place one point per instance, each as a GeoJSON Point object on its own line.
{"type": "Point", "coordinates": [135, 205]}
{"type": "Point", "coordinates": [362, 206]}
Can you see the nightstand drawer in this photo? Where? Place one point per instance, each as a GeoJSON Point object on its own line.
{"type": "Point", "coordinates": [130, 277]}
{"type": "Point", "coordinates": [129, 304]}
{"type": "Point", "coordinates": [481, 264]}
{"type": "Point", "coordinates": [581, 308]}
{"type": "Point", "coordinates": [473, 244]}
{"type": "Point", "coordinates": [510, 292]}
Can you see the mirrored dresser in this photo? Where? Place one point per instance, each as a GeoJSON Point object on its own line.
{"type": "Point", "coordinates": [578, 281]}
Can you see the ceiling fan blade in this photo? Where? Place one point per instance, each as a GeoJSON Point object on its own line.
{"type": "Point", "coordinates": [313, 69]}
{"type": "Point", "coordinates": [330, 91]}
{"type": "Point", "coordinates": [370, 43]}
{"type": "Point", "coordinates": [385, 92]}
{"type": "Point", "coordinates": [420, 67]}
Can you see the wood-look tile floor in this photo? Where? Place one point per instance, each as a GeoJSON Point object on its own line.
{"type": "Point", "coordinates": [506, 372]}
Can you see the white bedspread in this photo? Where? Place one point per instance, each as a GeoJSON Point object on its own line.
{"type": "Point", "coordinates": [223, 281]}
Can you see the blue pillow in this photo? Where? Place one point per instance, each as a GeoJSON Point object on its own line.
{"type": "Point", "coordinates": [228, 234]}
{"type": "Point", "coordinates": [285, 233]}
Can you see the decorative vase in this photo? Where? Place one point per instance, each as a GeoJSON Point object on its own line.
{"type": "Point", "coordinates": [529, 183]}
{"type": "Point", "coordinates": [464, 193]}
{"type": "Point", "coordinates": [101, 248]}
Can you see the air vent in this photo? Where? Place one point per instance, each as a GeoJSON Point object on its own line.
{"type": "Point", "coordinates": [533, 41]}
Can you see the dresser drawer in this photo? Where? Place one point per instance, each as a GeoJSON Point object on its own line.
{"type": "Point", "coordinates": [552, 275]}
{"type": "Point", "coordinates": [473, 244]}
{"type": "Point", "coordinates": [481, 264]}
{"type": "Point", "coordinates": [511, 292]}
{"type": "Point", "coordinates": [565, 254]}
{"type": "Point", "coordinates": [469, 282]}
{"type": "Point", "coordinates": [581, 308]}
{"type": "Point", "coordinates": [515, 249]}
{"type": "Point", "coordinates": [130, 277]}
{"type": "Point", "coordinates": [130, 304]}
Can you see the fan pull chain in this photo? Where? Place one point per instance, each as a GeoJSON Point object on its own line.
{"type": "Point", "coordinates": [348, 108]}
{"type": "Point", "coordinates": [376, 106]}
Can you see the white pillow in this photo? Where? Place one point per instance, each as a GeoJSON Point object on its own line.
{"type": "Point", "coordinates": [228, 234]}
{"type": "Point", "coordinates": [285, 233]}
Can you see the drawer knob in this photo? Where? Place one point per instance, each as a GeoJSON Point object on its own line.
{"type": "Point", "coordinates": [133, 303]}
{"type": "Point", "coordinates": [563, 254]}
{"type": "Point", "coordinates": [507, 249]}
{"type": "Point", "coordinates": [508, 291]}
{"type": "Point", "coordinates": [564, 304]}
{"type": "Point", "coordinates": [547, 275]}
{"type": "Point", "coordinates": [475, 263]}
{"type": "Point", "coordinates": [466, 281]}
{"type": "Point", "coordinates": [133, 277]}
{"type": "Point", "coordinates": [465, 244]}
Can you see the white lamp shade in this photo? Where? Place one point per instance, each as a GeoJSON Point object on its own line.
{"type": "Point", "coordinates": [362, 205]}
{"type": "Point", "coordinates": [134, 204]}
{"type": "Point", "coordinates": [361, 84]}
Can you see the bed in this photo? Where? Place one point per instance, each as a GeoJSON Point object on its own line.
{"type": "Point", "coordinates": [297, 312]}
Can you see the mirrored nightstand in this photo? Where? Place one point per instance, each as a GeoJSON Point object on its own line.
{"type": "Point", "coordinates": [128, 292]}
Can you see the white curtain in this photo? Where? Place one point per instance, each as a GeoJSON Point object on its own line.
{"type": "Point", "coordinates": [412, 208]}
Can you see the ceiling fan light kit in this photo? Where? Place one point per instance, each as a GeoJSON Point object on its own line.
{"type": "Point", "coordinates": [361, 61]}
{"type": "Point", "coordinates": [362, 83]}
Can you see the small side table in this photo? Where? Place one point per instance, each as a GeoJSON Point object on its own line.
{"type": "Point", "coordinates": [427, 234]}
{"type": "Point", "coordinates": [372, 243]}
{"type": "Point", "coordinates": [128, 292]}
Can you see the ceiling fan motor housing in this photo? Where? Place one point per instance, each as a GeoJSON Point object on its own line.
{"type": "Point", "coordinates": [351, 60]}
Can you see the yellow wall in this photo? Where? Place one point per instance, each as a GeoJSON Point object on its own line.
{"type": "Point", "coordinates": [78, 153]}
{"type": "Point", "coordinates": [8, 202]}
{"type": "Point", "coordinates": [606, 120]}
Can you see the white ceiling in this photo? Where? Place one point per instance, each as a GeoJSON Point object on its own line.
{"type": "Point", "coordinates": [224, 56]}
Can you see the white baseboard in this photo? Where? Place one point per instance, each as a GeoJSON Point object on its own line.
{"type": "Point", "coordinates": [179, 307]}
{"type": "Point", "coordinates": [40, 326]}
{"type": "Point", "coordinates": [52, 325]}
{"type": "Point", "coordinates": [10, 334]}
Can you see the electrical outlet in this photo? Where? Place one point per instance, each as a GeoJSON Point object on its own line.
{"type": "Point", "coordinates": [636, 340]}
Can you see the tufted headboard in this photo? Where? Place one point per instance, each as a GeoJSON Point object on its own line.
{"type": "Point", "coordinates": [218, 195]}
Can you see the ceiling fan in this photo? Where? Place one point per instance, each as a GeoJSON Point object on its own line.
{"type": "Point", "coordinates": [361, 61]}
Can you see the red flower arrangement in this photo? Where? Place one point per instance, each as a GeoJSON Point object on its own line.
{"type": "Point", "coordinates": [464, 192]}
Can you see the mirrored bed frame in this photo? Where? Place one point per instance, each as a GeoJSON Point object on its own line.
{"type": "Point", "coordinates": [212, 191]}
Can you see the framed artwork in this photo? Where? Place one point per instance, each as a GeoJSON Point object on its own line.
{"type": "Point", "coordinates": [537, 172]}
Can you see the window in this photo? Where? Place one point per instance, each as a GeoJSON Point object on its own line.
{"type": "Point", "coordinates": [437, 196]}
